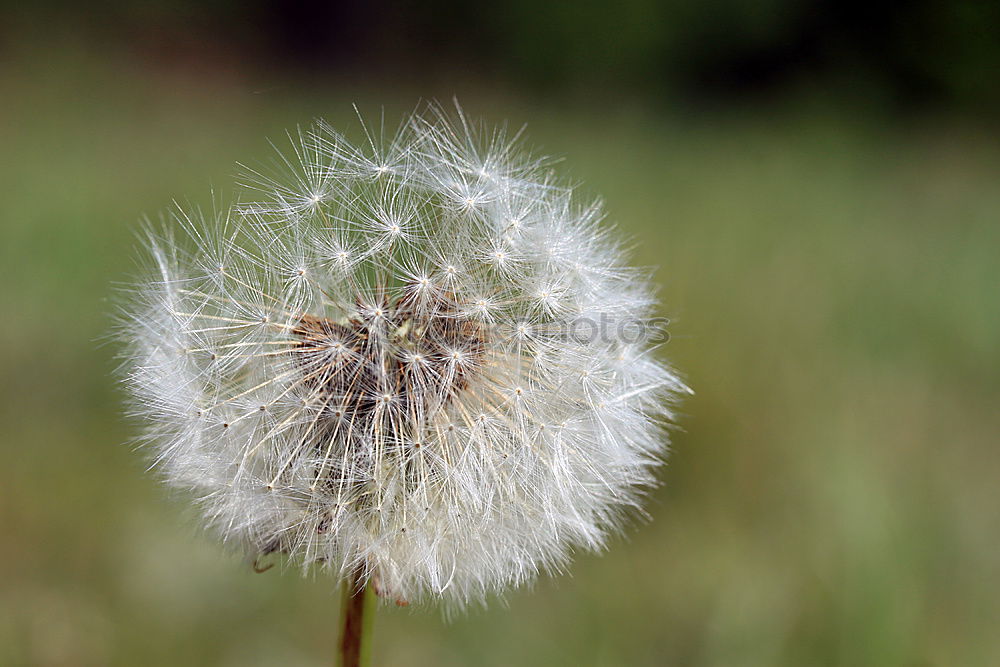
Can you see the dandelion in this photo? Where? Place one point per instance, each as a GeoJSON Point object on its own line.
{"type": "Point", "coordinates": [372, 362]}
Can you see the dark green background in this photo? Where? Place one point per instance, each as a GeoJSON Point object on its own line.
{"type": "Point", "coordinates": [817, 185]}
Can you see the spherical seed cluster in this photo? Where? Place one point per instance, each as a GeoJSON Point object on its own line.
{"type": "Point", "coordinates": [416, 360]}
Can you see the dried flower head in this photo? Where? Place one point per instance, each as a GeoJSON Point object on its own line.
{"type": "Point", "coordinates": [422, 359]}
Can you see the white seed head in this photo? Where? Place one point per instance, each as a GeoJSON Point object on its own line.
{"type": "Point", "coordinates": [374, 363]}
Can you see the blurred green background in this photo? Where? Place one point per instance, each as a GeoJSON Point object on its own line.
{"type": "Point", "coordinates": [818, 185]}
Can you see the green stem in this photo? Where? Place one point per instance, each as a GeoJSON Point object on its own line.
{"type": "Point", "coordinates": [357, 614]}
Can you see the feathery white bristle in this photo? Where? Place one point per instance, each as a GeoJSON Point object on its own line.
{"type": "Point", "coordinates": [374, 363]}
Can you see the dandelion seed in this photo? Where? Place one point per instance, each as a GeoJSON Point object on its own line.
{"type": "Point", "coordinates": [378, 375]}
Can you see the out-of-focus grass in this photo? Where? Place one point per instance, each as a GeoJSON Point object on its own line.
{"type": "Point", "coordinates": [832, 496]}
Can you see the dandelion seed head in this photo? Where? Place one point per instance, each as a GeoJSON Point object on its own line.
{"type": "Point", "coordinates": [368, 363]}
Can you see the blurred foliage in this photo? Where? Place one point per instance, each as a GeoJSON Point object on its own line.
{"type": "Point", "coordinates": [913, 54]}
{"type": "Point", "coordinates": [832, 278]}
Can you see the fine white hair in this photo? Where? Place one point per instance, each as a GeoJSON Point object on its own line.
{"type": "Point", "coordinates": [422, 359]}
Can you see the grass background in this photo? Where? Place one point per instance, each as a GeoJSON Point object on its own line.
{"type": "Point", "coordinates": [832, 277]}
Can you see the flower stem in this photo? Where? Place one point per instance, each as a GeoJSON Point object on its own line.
{"type": "Point", "coordinates": [357, 614]}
